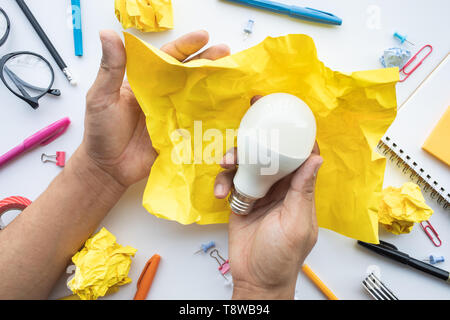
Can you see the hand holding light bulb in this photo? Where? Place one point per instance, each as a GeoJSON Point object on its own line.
{"type": "Point", "coordinates": [275, 137]}
{"type": "Point", "coordinates": [268, 247]}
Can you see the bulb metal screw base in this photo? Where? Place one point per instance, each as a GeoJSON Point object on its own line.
{"type": "Point", "coordinates": [240, 204]}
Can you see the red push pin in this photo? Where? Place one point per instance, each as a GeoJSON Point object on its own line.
{"type": "Point", "coordinates": [59, 159]}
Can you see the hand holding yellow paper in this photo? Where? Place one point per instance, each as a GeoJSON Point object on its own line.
{"type": "Point", "coordinates": [145, 15]}
{"type": "Point", "coordinates": [401, 207]}
{"type": "Point", "coordinates": [100, 265]}
{"type": "Point", "coordinates": [352, 111]}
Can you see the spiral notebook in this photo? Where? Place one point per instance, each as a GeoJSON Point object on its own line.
{"type": "Point", "coordinates": [416, 119]}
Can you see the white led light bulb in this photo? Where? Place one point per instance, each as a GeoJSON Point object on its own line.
{"type": "Point", "coordinates": [276, 135]}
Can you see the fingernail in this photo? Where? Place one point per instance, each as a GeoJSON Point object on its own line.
{"type": "Point", "coordinates": [229, 158]}
{"type": "Point", "coordinates": [218, 189]}
{"type": "Point", "coordinates": [318, 167]}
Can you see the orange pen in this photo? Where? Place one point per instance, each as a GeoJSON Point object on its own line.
{"type": "Point", "coordinates": [146, 278]}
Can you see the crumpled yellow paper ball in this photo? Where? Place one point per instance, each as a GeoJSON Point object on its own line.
{"type": "Point", "coordinates": [401, 207]}
{"type": "Point", "coordinates": [100, 265]}
{"type": "Point", "coordinates": [145, 15]}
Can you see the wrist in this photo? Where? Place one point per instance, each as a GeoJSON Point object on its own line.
{"type": "Point", "coordinates": [247, 291]}
{"type": "Point", "coordinates": [98, 183]}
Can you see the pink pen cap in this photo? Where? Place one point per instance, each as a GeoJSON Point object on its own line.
{"type": "Point", "coordinates": [40, 138]}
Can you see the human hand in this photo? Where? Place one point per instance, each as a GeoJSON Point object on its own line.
{"type": "Point", "coordinates": [268, 247]}
{"type": "Point", "coordinates": [116, 138]}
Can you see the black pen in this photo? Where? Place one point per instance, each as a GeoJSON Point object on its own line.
{"type": "Point", "coordinates": [390, 251]}
{"type": "Point", "coordinates": [62, 65]}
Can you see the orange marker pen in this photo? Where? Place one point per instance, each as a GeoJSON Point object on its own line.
{"type": "Point", "coordinates": [146, 278]}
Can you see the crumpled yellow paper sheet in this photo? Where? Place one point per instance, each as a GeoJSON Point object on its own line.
{"type": "Point", "coordinates": [145, 15]}
{"type": "Point", "coordinates": [352, 111]}
{"type": "Point", "coordinates": [401, 207]}
{"type": "Point", "coordinates": [100, 265]}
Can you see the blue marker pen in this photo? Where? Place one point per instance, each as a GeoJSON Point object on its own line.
{"type": "Point", "coordinates": [77, 31]}
{"type": "Point", "coordinates": [293, 11]}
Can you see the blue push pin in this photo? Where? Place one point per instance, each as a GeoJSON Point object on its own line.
{"type": "Point", "coordinates": [205, 247]}
{"type": "Point", "coordinates": [248, 30]}
{"type": "Point", "coordinates": [401, 38]}
{"type": "Point", "coordinates": [435, 259]}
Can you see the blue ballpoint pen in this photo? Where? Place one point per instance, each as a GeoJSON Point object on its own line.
{"type": "Point", "coordinates": [293, 11]}
{"type": "Point", "coordinates": [77, 31]}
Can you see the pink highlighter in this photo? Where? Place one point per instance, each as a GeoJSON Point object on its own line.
{"type": "Point", "coordinates": [40, 138]}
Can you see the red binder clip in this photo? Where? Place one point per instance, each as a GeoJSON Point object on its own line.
{"type": "Point", "coordinates": [408, 73]}
{"type": "Point", "coordinates": [59, 158]}
{"type": "Point", "coordinates": [224, 266]}
{"type": "Point", "coordinates": [433, 235]}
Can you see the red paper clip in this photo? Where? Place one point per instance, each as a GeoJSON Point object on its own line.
{"type": "Point", "coordinates": [408, 73]}
{"type": "Point", "coordinates": [433, 235]}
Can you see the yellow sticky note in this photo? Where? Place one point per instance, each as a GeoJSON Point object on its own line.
{"type": "Point", "coordinates": [352, 111]}
{"type": "Point", "coordinates": [100, 265]}
{"type": "Point", "coordinates": [145, 15]}
{"type": "Point", "coordinates": [438, 142]}
{"type": "Point", "coordinates": [401, 207]}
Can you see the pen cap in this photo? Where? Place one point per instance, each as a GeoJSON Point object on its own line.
{"type": "Point", "coordinates": [77, 31]}
{"type": "Point", "coordinates": [48, 134]}
{"type": "Point", "coordinates": [146, 278]}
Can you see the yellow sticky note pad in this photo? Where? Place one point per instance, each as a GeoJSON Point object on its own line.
{"type": "Point", "coordinates": [353, 111]}
{"type": "Point", "coordinates": [100, 265]}
{"type": "Point", "coordinates": [438, 142]}
{"type": "Point", "coordinates": [401, 207]}
{"type": "Point", "coordinates": [145, 15]}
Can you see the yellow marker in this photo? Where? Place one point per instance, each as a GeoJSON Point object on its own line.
{"type": "Point", "coordinates": [319, 284]}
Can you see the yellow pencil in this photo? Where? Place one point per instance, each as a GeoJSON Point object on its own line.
{"type": "Point", "coordinates": [319, 284]}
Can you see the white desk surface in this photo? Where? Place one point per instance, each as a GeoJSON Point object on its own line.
{"type": "Point", "coordinates": [356, 45]}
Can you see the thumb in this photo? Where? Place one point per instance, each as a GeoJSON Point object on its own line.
{"type": "Point", "coordinates": [112, 67]}
{"type": "Point", "coordinates": [299, 200]}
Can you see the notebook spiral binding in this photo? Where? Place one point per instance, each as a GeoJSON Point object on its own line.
{"type": "Point", "coordinates": [393, 153]}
